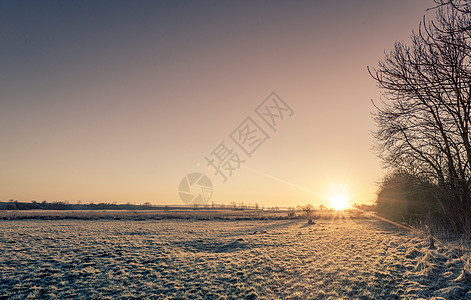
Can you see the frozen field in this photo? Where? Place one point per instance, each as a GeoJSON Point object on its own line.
{"type": "Point", "coordinates": [259, 259]}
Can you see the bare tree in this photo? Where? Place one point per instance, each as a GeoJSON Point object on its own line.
{"type": "Point", "coordinates": [462, 6]}
{"type": "Point", "coordinates": [308, 208]}
{"type": "Point", "coordinates": [424, 118]}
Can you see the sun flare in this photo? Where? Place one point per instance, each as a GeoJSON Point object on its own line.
{"type": "Point", "coordinates": [339, 202]}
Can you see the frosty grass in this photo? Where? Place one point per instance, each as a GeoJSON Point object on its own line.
{"type": "Point", "coordinates": [248, 259]}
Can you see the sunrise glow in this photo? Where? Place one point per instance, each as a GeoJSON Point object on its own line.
{"type": "Point", "coordinates": [339, 202]}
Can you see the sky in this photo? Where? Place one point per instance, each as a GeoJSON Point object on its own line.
{"type": "Point", "coordinates": [118, 101]}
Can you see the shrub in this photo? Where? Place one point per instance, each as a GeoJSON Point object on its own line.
{"type": "Point", "coordinates": [405, 197]}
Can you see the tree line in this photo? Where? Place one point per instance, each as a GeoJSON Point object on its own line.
{"type": "Point", "coordinates": [13, 204]}
{"type": "Point", "coordinates": [65, 205]}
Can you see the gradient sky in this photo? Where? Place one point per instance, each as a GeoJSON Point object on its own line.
{"type": "Point", "coordinates": [104, 101]}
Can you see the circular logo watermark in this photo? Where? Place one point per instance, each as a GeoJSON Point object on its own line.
{"type": "Point", "coordinates": [195, 188]}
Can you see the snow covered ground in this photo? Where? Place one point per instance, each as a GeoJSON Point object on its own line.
{"type": "Point", "coordinates": [220, 259]}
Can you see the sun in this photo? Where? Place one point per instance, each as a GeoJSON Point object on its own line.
{"type": "Point", "coordinates": [339, 202]}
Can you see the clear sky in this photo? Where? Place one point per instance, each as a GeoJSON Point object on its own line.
{"type": "Point", "coordinates": [104, 101]}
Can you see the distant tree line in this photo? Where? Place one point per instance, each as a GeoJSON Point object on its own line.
{"type": "Point", "coordinates": [307, 209]}
{"type": "Point", "coordinates": [424, 121]}
{"type": "Point", "coordinates": [65, 205]}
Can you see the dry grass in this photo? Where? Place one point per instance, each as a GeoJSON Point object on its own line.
{"type": "Point", "coordinates": [199, 214]}
{"type": "Point", "coordinates": [222, 259]}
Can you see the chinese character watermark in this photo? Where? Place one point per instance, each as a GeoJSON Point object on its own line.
{"type": "Point", "coordinates": [196, 188]}
{"type": "Point", "coordinates": [273, 110]}
{"type": "Point", "coordinates": [224, 161]}
{"type": "Point", "coordinates": [249, 136]}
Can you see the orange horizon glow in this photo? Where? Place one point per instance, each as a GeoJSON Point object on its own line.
{"type": "Point", "coordinates": [121, 107]}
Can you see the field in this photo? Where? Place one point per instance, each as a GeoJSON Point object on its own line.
{"type": "Point", "coordinates": [190, 214]}
{"type": "Point", "coordinates": [224, 259]}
